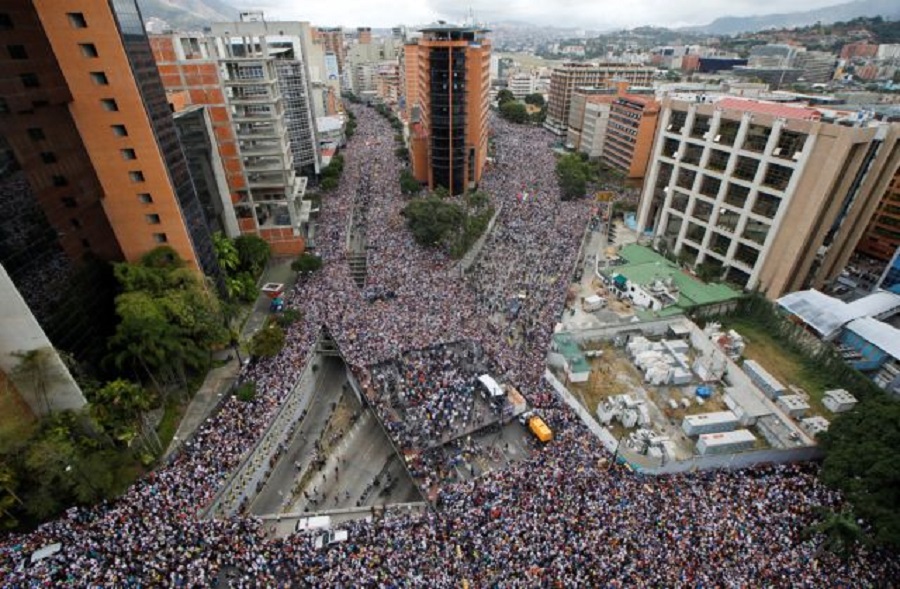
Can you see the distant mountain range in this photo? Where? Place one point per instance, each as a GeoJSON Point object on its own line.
{"type": "Point", "coordinates": [188, 14]}
{"type": "Point", "coordinates": [729, 25]}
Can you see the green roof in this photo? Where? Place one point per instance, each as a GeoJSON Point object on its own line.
{"type": "Point", "coordinates": [571, 352]}
{"type": "Point", "coordinates": [645, 265]}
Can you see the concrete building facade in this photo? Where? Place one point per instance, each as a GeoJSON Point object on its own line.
{"type": "Point", "coordinates": [588, 119]}
{"type": "Point", "coordinates": [448, 76]}
{"type": "Point", "coordinates": [564, 80]}
{"type": "Point", "coordinates": [268, 95]}
{"type": "Point", "coordinates": [763, 195]}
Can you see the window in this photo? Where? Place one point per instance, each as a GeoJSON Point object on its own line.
{"type": "Point", "coordinates": [36, 134]}
{"type": "Point", "coordinates": [69, 202]}
{"type": "Point", "coordinates": [30, 80]}
{"type": "Point", "coordinates": [76, 19]}
{"type": "Point", "coordinates": [75, 223]}
{"type": "Point", "coordinates": [119, 130]}
{"type": "Point", "coordinates": [160, 238]}
{"type": "Point", "coordinates": [88, 49]}
{"type": "Point", "coordinates": [145, 198]}
{"type": "Point", "coordinates": [109, 104]}
{"type": "Point", "coordinates": [128, 154]}
{"type": "Point", "coordinates": [4, 106]}
{"type": "Point", "coordinates": [48, 157]}
{"type": "Point", "coordinates": [5, 22]}
{"type": "Point", "coordinates": [17, 52]}
{"type": "Point", "coordinates": [60, 180]}
{"type": "Point", "coordinates": [152, 219]}
{"type": "Point", "coordinates": [136, 176]}
{"type": "Point", "coordinates": [746, 168]}
{"type": "Point", "coordinates": [778, 176]}
{"type": "Point", "coordinates": [99, 78]}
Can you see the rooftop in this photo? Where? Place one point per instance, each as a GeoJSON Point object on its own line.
{"type": "Point", "coordinates": [769, 108]}
{"type": "Point", "coordinates": [645, 266]}
{"type": "Point", "coordinates": [878, 333]}
{"type": "Point", "coordinates": [826, 315]}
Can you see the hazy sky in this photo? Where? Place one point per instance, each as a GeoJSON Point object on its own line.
{"type": "Point", "coordinates": [594, 14]}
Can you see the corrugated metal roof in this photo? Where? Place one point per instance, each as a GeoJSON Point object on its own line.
{"type": "Point", "coordinates": [878, 333]}
{"type": "Point", "coordinates": [826, 315]}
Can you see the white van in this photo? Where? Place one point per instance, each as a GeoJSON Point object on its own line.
{"type": "Point", "coordinates": [490, 390]}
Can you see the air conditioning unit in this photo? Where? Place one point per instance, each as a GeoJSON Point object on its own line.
{"type": "Point", "coordinates": [717, 138]}
{"type": "Point", "coordinates": [776, 151]}
{"type": "Point", "coordinates": [675, 156]}
{"type": "Point", "coordinates": [706, 135]}
{"type": "Point", "coordinates": [796, 156]}
{"type": "Point", "coordinates": [669, 128]}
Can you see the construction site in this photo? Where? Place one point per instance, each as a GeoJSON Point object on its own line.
{"type": "Point", "coordinates": [671, 392]}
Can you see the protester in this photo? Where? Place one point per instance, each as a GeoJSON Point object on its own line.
{"type": "Point", "coordinates": [562, 518]}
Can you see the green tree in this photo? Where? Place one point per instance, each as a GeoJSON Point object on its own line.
{"type": "Point", "coordinates": [408, 183]}
{"type": "Point", "coordinates": [226, 253]}
{"type": "Point", "coordinates": [253, 252]}
{"type": "Point", "coordinates": [841, 533]}
{"type": "Point", "coordinates": [168, 319]}
{"type": "Point", "coordinates": [572, 175]}
{"type": "Point", "coordinates": [246, 392]}
{"type": "Point", "coordinates": [328, 183]}
{"type": "Point", "coordinates": [241, 287]}
{"type": "Point", "coordinates": [306, 263]}
{"type": "Point", "coordinates": [536, 99]}
{"type": "Point", "coordinates": [119, 408]}
{"type": "Point", "coordinates": [505, 95]}
{"type": "Point", "coordinates": [432, 219]}
{"type": "Point", "coordinates": [514, 112]}
{"type": "Point", "coordinates": [268, 341]}
{"type": "Point", "coordinates": [862, 461]}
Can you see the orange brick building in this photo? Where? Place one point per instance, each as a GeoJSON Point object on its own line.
{"type": "Point", "coordinates": [189, 65]}
{"type": "Point", "coordinates": [882, 236]}
{"type": "Point", "coordinates": [89, 100]}
{"type": "Point", "coordinates": [447, 75]}
{"type": "Point", "coordinates": [629, 134]}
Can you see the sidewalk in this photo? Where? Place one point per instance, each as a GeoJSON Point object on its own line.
{"type": "Point", "coordinates": [219, 380]}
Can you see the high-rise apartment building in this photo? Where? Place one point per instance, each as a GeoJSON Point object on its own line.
{"type": "Point", "coordinates": [764, 195]}
{"type": "Point", "coordinates": [564, 80]}
{"type": "Point", "coordinates": [448, 84]}
{"type": "Point", "coordinates": [629, 134]}
{"type": "Point", "coordinates": [882, 236]}
{"type": "Point", "coordinates": [189, 69]}
{"type": "Point", "coordinates": [87, 118]}
{"type": "Point", "coordinates": [266, 88]}
{"type": "Point", "coordinates": [588, 118]}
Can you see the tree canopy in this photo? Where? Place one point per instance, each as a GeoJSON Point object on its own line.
{"type": "Point", "coordinates": [268, 341]}
{"type": "Point", "coordinates": [408, 183]}
{"type": "Point", "coordinates": [536, 99]}
{"type": "Point", "coordinates": [505, 95]}
{"type": "Point", "coordinates": [862, 461]}
{"type": "Point", "coordinates": [168, 319]}
{"type": "Point", "coordinates": [514, 112]}
{"type": "Point", "coordinates": [573, 174]}
{"type": "Point", "coordinates": [433, 219]}
{"type": "Point", "coordinates": [306, 263]}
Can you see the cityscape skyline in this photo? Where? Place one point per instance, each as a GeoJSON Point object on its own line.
{"type": "Point", "coordinates": [559, 13]}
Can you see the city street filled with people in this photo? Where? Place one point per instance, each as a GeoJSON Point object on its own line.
{"type": "Point", "coordinates": [566, 517]}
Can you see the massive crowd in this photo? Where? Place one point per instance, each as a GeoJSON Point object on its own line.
{"type": "Point", "coordinates": [562, 518]}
